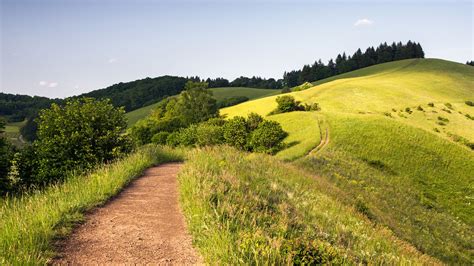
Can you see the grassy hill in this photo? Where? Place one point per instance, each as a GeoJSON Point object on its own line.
{"type": "Point", "coordinates": [219, 93]}
{"type": "Point", "coordinates": [396, 148]}
{"type": "Point", "coordinates": [12, 132]}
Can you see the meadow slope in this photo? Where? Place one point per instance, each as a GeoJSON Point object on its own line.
{"type": "Point", "coordinates": [399, 148]}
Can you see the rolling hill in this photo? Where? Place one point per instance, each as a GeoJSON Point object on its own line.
{"type": "Point", "coordinates": [219, 93]}
{"type": "Point", "coordinates": [398, 146]}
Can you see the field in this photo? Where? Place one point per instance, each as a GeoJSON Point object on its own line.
{"type": "Point", "coordinates": [30, 224]}
{"type": "Point", "coordinates": [12, 132]}
{"type": "Point", "coordinates": [398, 148]}
{"type": "Point", "coordinates": [253, 209]}
{"type": "Point", "coordinates": [219, 93]}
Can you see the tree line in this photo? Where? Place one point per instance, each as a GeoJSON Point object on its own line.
{"type": "Point", "coordinates": [136, 94]}
{"type": "Point", "coordinates": [346, 63]}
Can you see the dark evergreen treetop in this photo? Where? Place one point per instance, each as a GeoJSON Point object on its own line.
{"type": "Point", "coordinates": [343, 63]}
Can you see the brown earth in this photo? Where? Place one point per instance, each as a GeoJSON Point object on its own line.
{"type": "Point", "coordinates": [142, 225]}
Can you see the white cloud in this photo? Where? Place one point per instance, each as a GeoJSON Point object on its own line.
{"type": "Point", "coordinates": [112, 60]}
{"type": "Point", "coordinates": [363, 22]}
{"type": "Point", "coordinates": [48, 84]}
{"type": "Point", "coordinates": [52, 84]}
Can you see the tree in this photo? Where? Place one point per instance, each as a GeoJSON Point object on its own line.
{"type": "Point", "coordinates": [5, 158]}
{"type": "Point", "coordinates": [470, 63]}
{"type": "Point", "coordinates": [195, 104]}
{"type": "Point", "coordinates": [79, 135]}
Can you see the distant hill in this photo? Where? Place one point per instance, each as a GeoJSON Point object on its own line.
{"type": "Point", "coordinates": [397, 139]}
{"type": "Point", "coordinates": [226, 94]}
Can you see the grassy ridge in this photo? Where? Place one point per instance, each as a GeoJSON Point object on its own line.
{"type": "Point", "coordinates": [393, 154]}
{"type": "Point", "coordinates": [253, 209]}
{"type": "Point", "coordinates": [404, 177]}
{"type": "Point", "coordinates": [12, 132]}
{"type": "Point", "coordinates": [30, 223]}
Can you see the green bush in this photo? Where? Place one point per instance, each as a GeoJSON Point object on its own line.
{"type": "Point", "coordinates": [267, 138]}
{"type": "Point", "coordinates": [470, 103]}
{"type": "Point", "coordinates": [312, 107]}
{"type": "Point", "coordinates": [287, 103]}
{"type": "Point", "coordinates": [160, 137]}
{"type": "Point", "coordinates": [208, 134]}
{"type": "Point", "coordinates": [253, 121]}
{"type": "Point", "coordinates": [187, 136]}
{"type": "Point", "coordinates": [235, 132]}
{"type": "Point", "coordinates": [431, 104]}
{"type": "Point", "coordinates": [79, 135]}
{"type": "Point", "coordinates": [173, 139]}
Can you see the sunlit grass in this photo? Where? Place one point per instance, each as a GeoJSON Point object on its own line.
{"type": "Point", "coordinates": [418, 184]}
{"type": "Point", "coordinates": [30, 223]}
{"type": "Point", "coordinates": [254, 209]}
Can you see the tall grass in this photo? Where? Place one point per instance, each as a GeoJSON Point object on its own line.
{"type": "Point", "coordinates": [407, 178]}
{"type": "Point", "coordinates": [254, 209]}
{"type": "Point", "coordinates": [29, 224]}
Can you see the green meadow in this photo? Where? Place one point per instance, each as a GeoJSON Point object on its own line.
{"type": "Point", "coordinates": [400, 148]}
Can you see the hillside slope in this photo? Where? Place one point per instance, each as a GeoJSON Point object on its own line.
{"type": "Point", "coordinates": [398, 148]}
{"type": "Point", "coordinates": [220, 94]}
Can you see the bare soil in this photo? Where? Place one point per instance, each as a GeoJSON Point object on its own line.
{"type": "Point", "coordinates": [142, 225]}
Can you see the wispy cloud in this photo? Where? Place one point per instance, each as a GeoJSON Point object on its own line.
{"type": "Point", "coordinates": [112, 60]}
{"type": "Point", "coordinates": [48, 84]}
{"type": "Point", "coordinates": [363, 22]}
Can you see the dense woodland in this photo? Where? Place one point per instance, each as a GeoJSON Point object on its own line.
{"type": "Point", "coordinates": [344, 63]}
{"type": "Point", "coordinates": [136, 94]}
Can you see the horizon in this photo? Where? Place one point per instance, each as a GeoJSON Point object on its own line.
{"type": "Point", "coordinates": [64, 48]}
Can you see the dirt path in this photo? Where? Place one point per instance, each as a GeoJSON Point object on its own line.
{"type": "Point", "coordinates": [143, 225]}
{"type": "Point", "coordinates": [324, 140]}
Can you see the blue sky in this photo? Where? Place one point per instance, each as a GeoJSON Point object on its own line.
{"type": "Point", "coordinates": [59, 48]}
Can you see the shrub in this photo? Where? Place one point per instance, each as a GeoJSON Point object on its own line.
{"type": "Point", "coordinates": [470, 103]}
{"type": "Point", "coordinates": [312, 107]}
{"type": "Point", "coordinates": [468, 116]}
{"type": "Point", "coordinates": [444, 119]}
{"type": "Point", "coordinates": [436, 130]}
{"type": "Point", "coordinates": [408, 110]}
{"type": "Point", "coordinates": [450, 106]}
{"type": "Point", "coordinates": [188, 136]}
{"type": "Point", "coordinates": [303, 87]}
{"type": "Point", "coordinates": [232, 101]}
{"type": "Point", "coordinates": [253, 121]}
{"type": "Point", "coordinates": [208, 134]}
{"type": "Point", "coordinates": [267, 137]}
{"type": "Point", "coordinates": [419, 108]}
{"type": "Point", "coordinates": [235, 132]}
{"type": "Point", "coordinates": [287, 103]}
{"type": "Point", "coordinates": [79, 135]}
{"type": "Point", "coordinates": [160, 137]}
{"type": "Point", "coordinates": [431, 104]}
{"type": "Point", "coordinates": [173, 139]}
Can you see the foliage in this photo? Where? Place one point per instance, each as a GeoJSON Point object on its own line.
{"type": "Point", "coordinates": [470, 63]}
{"type": "Point", "coordinates": [32, 222]}
{"type": "Point", "coordinates": [160, 138]}
{"type": "Point", "coordinates": [78, 135]}
{"type": "Point", "coordinates": [192, 106]}
{"type": "Point", "coordinates": [342, 64]}
{"type": "Point", "coordinates": [253, 209]}
{"type": "Point", "coordinates": [469, 103]}
{"type": "Point", "coordinates": [232, 101]}
{"type": "Point", "coordinates": [6, 153]}
{"type": "Point", "coordinates": [267, 137]}
{"type": "Point", "coordinates": [287, 103]}
{"type": "Point", "coordinates": [208, 134]}
{"type": "Point", "coordinates": [236, 132]}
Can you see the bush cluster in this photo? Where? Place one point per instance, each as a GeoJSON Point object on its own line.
{"type": "Point", "coordinates": [287, 103]}
{"type": "Point", "coordinates": [249, 134]}
{"type": "Point", "coordinates": [470, 103]}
